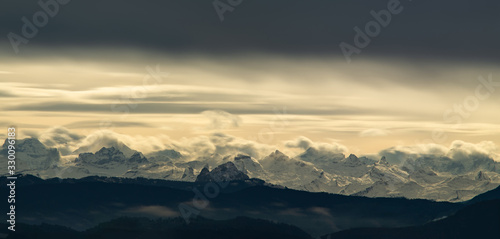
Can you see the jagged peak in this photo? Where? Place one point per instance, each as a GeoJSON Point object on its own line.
{"type": "Point", "coordinates": [204, 170]}
{"type": "Point", "coordinates": [224, 172]}
{"type": "Point", "coordinates": [111, 151]}
{"type": "Point", "coordinates": [31, 140]}
{"type": "Point", "coordinates": [383, 161]}
{"type": "Point", "coordinates": [33, 147]}
{"type": "Point", "coordinates": [352, 157]}
{"type": "Point", "coordinates": [27, 142]}
{"type": "Point", "coordinates": [115, 145]}
{"type": "Point", "coordinates": [207, 167]}
{"type": "Point", "coordinates": [277, 152]}
{"type": "Point", "coordinates": [138, 158]}
{"type": "Point", "coordinates": [278, 155]}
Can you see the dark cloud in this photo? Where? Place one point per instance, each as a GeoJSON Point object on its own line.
{"type": "Point", "coordinates": [197, 96]}
{"type": "Point", "coordinates": [96, 124]}
{"type": "Point", "coordinates": [449, 28]}
{"type": "Point", "coordinates": [178, 108]}
{"type": "Point", "coordinates": [4, 94]}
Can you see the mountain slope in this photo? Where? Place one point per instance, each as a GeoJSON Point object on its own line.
{"type": "Point", "coordinates": [481, 220]}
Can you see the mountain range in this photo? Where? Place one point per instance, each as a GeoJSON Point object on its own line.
{"type": "Point", "coordinates": [434, 178]}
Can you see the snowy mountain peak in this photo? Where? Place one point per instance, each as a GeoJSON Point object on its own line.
{"type": "Point", "coordinates": [383, 161]}
{"type": "Point", "coordinates": [249, 166]}
{"type": "Point", "coordinates": [110, 155]}
{"type": "Point", "coordinates": [166, 155]}
{"type": "Point", "coordinates": [207, 167]}
{"type": "Point", "coordinates": [278, 155]}
{"type": "Point", "coordinates": [111, 152]}
{"type": "Point", "coordinates": [35, 155]}
{"type": "Point", "coordinates": [204, 173]}
{"type": "Point", "coordinates": [222, 173]}
{"type": "Point", "coordinates": [137, 158]}
{"type": "Point", "coordinates": [353, 161]}
{"type": "Point", "coordinates": [30, 146]}
{"type": "Point", "coordinates": [128, 152]}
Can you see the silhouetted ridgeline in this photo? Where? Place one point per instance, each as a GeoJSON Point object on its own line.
{"type": "Point", "coordinates": [133, 228]}
{"type": "Point", "coordinates": [83, 204]}
{"type": "Point", "coordinates": [481, 220]}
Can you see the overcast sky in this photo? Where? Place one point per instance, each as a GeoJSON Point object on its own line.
{"type": "Point", "coordinates": [270, 72]}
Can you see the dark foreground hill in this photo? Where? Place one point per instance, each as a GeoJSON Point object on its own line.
{"type": "Point", "coordinates": [490, 195]}
{"type": "Point", "coordinates": [176, 228]}
{"type": "Point", "coordinates": [85, 203]}
{"type": "Point", "coordinates": [480, 220]}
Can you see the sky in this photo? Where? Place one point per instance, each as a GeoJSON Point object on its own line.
{"type": "Point", "coordinates": [162, 74]}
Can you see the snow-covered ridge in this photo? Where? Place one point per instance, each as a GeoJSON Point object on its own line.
{"type": "Point", "coordinates": [436, 178]}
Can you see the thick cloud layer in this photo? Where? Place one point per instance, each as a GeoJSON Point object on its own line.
{"type": "Point", "coordinates": [457, 150]}
{"type": "Point", "coordinates": [71, 144]}
{"type": "Point", "coordinates": [433, 68]}
{"type": "Point", "coordinates": [459, 158]}
{"type": "Point", "coordinates": [223, 144]}
{"type": "Point", "coordinates": [449, 28]}
{"type": "Point", "coordinates": [304, 143]}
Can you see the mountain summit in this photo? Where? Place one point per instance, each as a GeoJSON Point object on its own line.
{"type": "Point", "coordinates": [34, 156]}
{"type": "Point", "coordinates": [222, 173]}
{"type": "Point", "coordinates": [110, 155]}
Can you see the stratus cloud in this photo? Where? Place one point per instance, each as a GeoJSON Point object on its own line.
{"type": "Point", "coordinates": [303, 142]}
